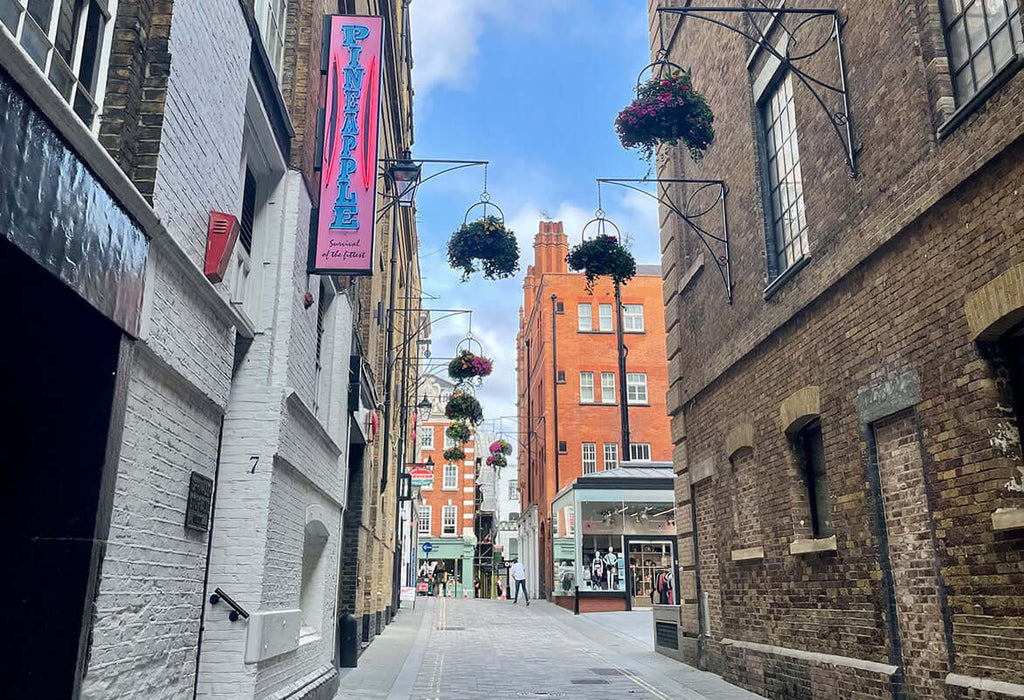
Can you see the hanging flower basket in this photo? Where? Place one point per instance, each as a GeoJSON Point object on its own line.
{"type": "Point", "coordinates": [599, 256]}
{"type": "Point", "coordinates": [454, 454]}
{"type": "Point", "coordinates": [459, 432]}
{"type": "Point", "coordinates": [501, 447]}
{"type": "Point", "coordinates": [468, 365]}
{"type": "Point", "coordinates": [463, 407]}
{"type": "Point", "coordinates": [488, 241]}
{"type": "Point", "coordinates": [497, 460]}
{"type": "Point", "coordinates": [667, 110]}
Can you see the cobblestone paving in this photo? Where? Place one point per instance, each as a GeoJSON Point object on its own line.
{"type": "Point", "coordinates": [473, 649]}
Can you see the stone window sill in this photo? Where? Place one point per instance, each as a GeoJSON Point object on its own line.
{"type": "Point", "coordinates": [813, 546]}
{"type": "Point", "coordinates": [748, 554]}
{"type": "Point", "coordinates": [1008, 519]}
{"type": "Point", "coordinates": [980, 97]}
{"type": "Point", "coordinates": [308, 635]}
{"type": "Point", "coordinates": [609, 332]}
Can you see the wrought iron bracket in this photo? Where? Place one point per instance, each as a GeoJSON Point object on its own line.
{"type": "Point", "coordinates": [690, 210]}
{"type": "Point", "coordinates": [447, 166]}
{"type": "Point", "coordinates": [839, 119]}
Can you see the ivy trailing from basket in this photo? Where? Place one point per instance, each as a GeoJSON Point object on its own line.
{"type": "Point", "coordinates": [454, 454]}
{"type": "Point", "coordinates": [497, 460]}
{"type": "Point", "coordinates": [500, 446]}
{"type": "Point", "coordinates": [459, 432]}
{"type": "Point", "coordinates": [599, 256]}
{"type": "Point", "coordinates": [488, 241]}
{"type": "Point", "coordinates": [464, 407]}
{"type": "Point", "coordinates": [468, 365]}
{"type": "Point", "coordinates": [667, 110]}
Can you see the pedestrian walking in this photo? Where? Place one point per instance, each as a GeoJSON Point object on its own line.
{"type": "Point", "coordinates": [519, 575]}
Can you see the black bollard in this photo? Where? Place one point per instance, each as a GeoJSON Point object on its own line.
{"type": "Point", "coordinates": [348, 641]}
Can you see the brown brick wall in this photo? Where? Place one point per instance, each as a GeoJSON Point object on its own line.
{"type": "Point", "coordinates": [133, 106]}
{"type": "Point", "coordinates": [874, 325]}
{"type": "Point", "coordinates": [894, 255]}
{"type": "Point", "coordinates": [912, 553]}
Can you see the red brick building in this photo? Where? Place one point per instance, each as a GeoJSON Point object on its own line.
{"type": "Point", "coordinates": [580, 404]}
{"type": "Point", "coordinates": [446, 508]}
{"type": "Point", "coordinates": [847, 431]}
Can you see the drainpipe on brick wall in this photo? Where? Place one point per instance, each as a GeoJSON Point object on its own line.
{"type": "Point", "coordinates": [209, 547]}
{"type": "Point", "coordinates": [529, 432]}
{"type": "Point", "coordinates": [554, 376]}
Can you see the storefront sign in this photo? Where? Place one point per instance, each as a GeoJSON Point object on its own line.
{"type": "Point", "coordinates": [422, 476]}
{"type": "Point", "coordinates": [343, 240]}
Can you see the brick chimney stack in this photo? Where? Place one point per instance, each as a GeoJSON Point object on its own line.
{"type": "Point", "coordinates": [550, 247]}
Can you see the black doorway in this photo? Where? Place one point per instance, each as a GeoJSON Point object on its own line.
{"type": "Point", "coordinates": [58, 366]}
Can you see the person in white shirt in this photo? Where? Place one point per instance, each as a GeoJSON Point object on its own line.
{"type": "Point", "coordinates": [519, 576]}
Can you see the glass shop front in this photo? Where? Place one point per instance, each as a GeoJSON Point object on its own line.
{"type": "Point", "coordinates": [616, 546]}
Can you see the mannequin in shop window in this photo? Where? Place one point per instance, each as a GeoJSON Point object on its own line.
{"type": "Point", "coordinates": [597, 572]}
{"type": "Point", "coordinates": [568, 576]}
{"type": "Point", "coordinates": [611, 562]}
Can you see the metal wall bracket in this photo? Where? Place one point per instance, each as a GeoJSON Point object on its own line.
{"type": "Point", "coordinates": [839, 119]}
{"type": "Point", "coordinates": [705, 197]}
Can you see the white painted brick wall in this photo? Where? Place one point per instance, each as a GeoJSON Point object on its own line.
{"type": "Point", "coordinates": [201, 145]}
{"type": "Point", "coordinates": [150, 593]}
{"type": "Point", "coordinates": [258, 537]}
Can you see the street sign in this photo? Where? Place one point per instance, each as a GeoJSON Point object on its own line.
{"type": "Point", "coordinates": [507, 564]}
{"type": "Point", "coordinates": [428, 547]}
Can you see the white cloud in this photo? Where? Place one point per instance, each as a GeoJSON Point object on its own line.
{"type": "Point", "coordinates": [447, 33]}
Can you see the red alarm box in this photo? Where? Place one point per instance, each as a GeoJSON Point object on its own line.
{"type": "Point", "coordinates": [220, 242]}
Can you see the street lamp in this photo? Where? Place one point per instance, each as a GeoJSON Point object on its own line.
{"type": "Point", "coordinates": [423, 409]}
{"type": "Point", "coordinates": [406, 175]}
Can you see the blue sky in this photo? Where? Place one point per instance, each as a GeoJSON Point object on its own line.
{"type": "Point", "coordinates": [534, 87]}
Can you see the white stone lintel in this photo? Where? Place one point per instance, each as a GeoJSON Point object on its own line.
{"type": "Point", "coordinates": [812, 546]}
{"type": "Point", "coordinates": [748, 554]}
{"type": "Point", "coordinates": [1008, 519]}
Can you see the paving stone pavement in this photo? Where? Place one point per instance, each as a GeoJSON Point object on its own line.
{"type": "Point", "coordinates": [456, 649]}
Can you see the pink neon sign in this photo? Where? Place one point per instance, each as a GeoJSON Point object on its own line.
{"type": "Point", "coordinates": [343, 242]}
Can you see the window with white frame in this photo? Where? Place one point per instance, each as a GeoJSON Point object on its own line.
{"type": "Point", "coordinates": [69, 40]}
{"type": "Point", "coordinates": [636, 387]}
{"type": "Point", "coordinates": [448, 515]}
{"type": "Point", "coordinates": [427, 437]}
{"type": "Point", "coordinates": [632, 318]}
{"type": "Point", "coordinates": [640, 450]}
{"type": "Point", "coordinates": [607, 387]}
{"type": "Point", "coordinates": [982, 38]}
{"type": "Point", "coordinates": [604, 317]}
{"type": "Point", "coordinates": [513, 490]}
{"type": "Point", "coordinates": [586, 387]}
{"type": "Point", "coordinates": [423, 524]}
{"type": "Point", "coordinates": [589, 457]}
{"type": "Point", "coordinates": [270, 16]}
{"type": "Point", "coordinates": [787, 239]}
{"type": "Point", "coordinates": [585, 314]}
{"type": "Point", "coordinates": [451, 477]}
{"type": "Point", "coordinates": [611, 455]}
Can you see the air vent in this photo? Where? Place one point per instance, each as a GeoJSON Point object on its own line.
{"type": "Point", "coordinates": [666, 635]}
